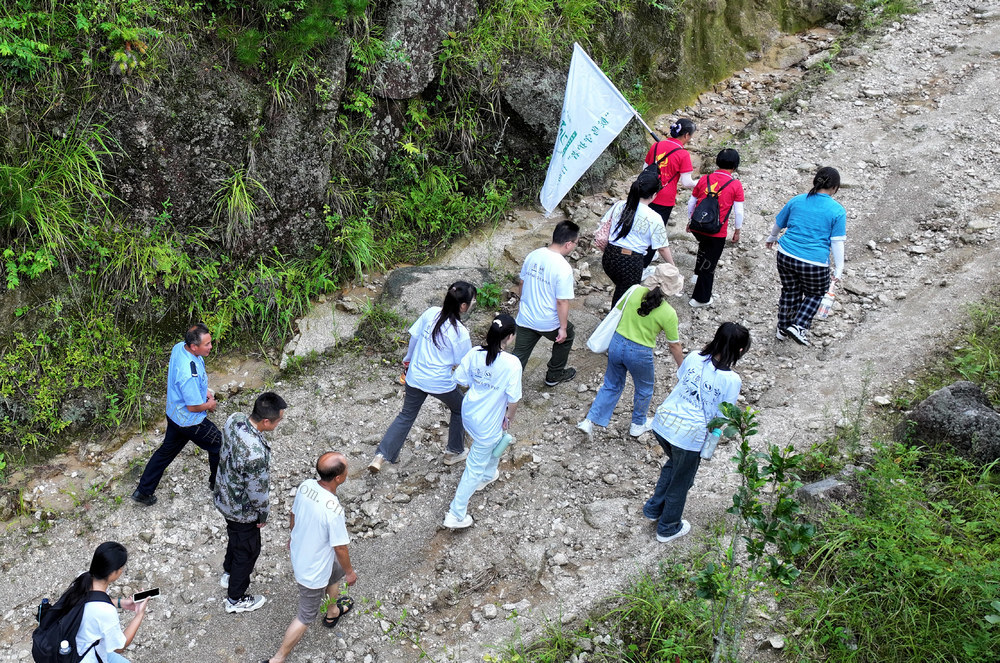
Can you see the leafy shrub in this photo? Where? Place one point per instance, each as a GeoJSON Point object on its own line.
{"type": "Point", "coordinates": [84, 354]}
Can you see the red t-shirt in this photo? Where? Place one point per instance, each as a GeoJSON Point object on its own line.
{"type": "Point", "coordinates": [731, 194]}
{"type": "Point", "coordinates": [670, 169]}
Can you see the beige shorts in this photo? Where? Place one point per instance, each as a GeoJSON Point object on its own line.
{"type": "Point", "coordinates": [311, 599]}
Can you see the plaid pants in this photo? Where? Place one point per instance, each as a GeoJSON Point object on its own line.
{"type": "Point", "coordinates": [802, 288]}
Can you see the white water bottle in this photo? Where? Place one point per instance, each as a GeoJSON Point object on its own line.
{"type": "Point", "coordinates": [826, 305]}
{"type": "Point", "coordinates": [708, 448]}
{"type": "Point", "coordinates": [64, 647]}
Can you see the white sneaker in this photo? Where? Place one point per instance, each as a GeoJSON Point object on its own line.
{"type": "Point", "coordinates": [451, 459]}
{"type": "Point", "coordinates": [587, 426]}
{"type": "Point", "coordinates": [779, 334]}
{"type": "Point", "coordinates": [798, 334]}
{"type": "Point", "coordinates": [483, 484]}
{"type": "Point", "coordinates": [246, 603]}
{"type": "Point", "coordinates": [224, 581]}
{"type": "Point", "coordinates": [694, 279]}
{"type": "Point", "coordinates": [451, 522]}
{"type": "Point", "coordinates": [696, 304]}
{"type": "Point", "coordinates": [685, 528]}
{"type": "Point", "coordinates": [637, 430]}
{"type": "Point", "coordinates": [376, 465]}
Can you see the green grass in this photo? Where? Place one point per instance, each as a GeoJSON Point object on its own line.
{"type": "Point", "coordinates": [656, 618]}
{"type": "Point", "coordinates": [910, 572]}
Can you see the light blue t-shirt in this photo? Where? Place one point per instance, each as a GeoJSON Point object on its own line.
{"type": "Point", "coordinates": [187, 384]}
{"type": "Point", "coordinates": [682, 419]}
{"type": "Point", "coordinates": [810, 223]}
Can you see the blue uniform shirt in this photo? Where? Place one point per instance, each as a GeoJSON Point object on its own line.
{"type": "Point", "coordinates": [187, 384]}
{"type": "Point", "coordinates": [811, 222]}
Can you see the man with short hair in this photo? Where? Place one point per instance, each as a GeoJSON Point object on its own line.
{"type": "Point", "coordinates": [546, 287]}
{"type": "Point", "coordinates": [319, 551]}
{"type": "Point", "coordinates": [242, 494]}
{"type": "Point", "coordinates": [189, 400]}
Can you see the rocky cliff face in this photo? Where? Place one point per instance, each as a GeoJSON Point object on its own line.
{"type": "Point", "coordinates": [202, 115]}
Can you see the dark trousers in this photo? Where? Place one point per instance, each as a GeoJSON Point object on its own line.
{"type": "Point", "coordinates": [242, 552]}
{"type": "Point", "coordinates": [526, 340]}
{"type": "Point", "coordinates": [205, 435]}
{"type": "Point", "coordinates": [709, 252]}
{"type": "Point", "coordinates": [624, 270]}
{"type": "Point", "coordinates": [802, 288]}
{"type": "Point", "coordinates": [394, 438]}
{"type": "Point", "coordinates": [664, 213]}
{"type": "Point", "coordinates": [666, 506]}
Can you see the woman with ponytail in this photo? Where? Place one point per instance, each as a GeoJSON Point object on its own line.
{"type": "Point", "coordinates": [675, 168]}
{"type": "Point", "coordinates": [705, 380]}
{"type": "Point", "coordinates": [493, 377]}
{"type": "Point", "coordinates": [645, 313]}
{"type": "Point", "coordinates": [100, 633]}
{"type": "Point", "coordinates": [633, 228]}
{"type": "Point", "coordinates": [438, 341]}
{"type": "Point", "coordinates": [815, 226]}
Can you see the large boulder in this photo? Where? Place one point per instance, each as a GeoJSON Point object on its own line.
{"type": "Point", "coordinates": [957, 416]}
{"type": "Point", "coordinates": [413, 32]}
{"type": "Point", "coordinates": [201, 122]}
{"type": "Point", "coordinates": [410, 291]}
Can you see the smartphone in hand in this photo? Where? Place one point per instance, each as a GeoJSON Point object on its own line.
{"type": "Point", "coordinates": [149, 593]}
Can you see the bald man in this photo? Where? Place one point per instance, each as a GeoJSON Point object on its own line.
{"type": "Point", "coordinates": [319, 551]}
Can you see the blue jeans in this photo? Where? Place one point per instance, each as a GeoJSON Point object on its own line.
{"type": "Point", "coordinates": [479, 466]}
{"type": "Point", "coordinates": [624, 356]}
{"type": "Point", "coordinates": [115, 657]}
{"type": "Point", "coordinates": [666, 506]}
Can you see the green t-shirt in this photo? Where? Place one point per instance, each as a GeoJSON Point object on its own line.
{"type": "Point", "coordinates": [643, 330]}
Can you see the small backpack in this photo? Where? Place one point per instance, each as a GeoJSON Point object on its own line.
{"type": "Point", "coordinates": [705, 219]}
{"type": "Point", "coordinates": [57, 624]}
{"type": "Point", "coordinates": [654, 168]}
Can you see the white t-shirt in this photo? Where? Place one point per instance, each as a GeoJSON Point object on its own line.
{"type": "Point", "coordinates": [100, 620]}
{"type": "Point", "coordinates": [431, 365]}
{"type": "Point", "coordinates": [547, 277]}
{"type": "Point", "coordinates": [682, 419]}
{"type": "Point", "coordinates": [647, 229]}
{"type": "Point", "coordinates": [491, 388]}
{"type": "Point", "coordinates": [319, 526]}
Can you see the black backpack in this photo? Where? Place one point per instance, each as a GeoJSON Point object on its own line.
{"type": "Point", "coordinates": [57, 624]}
{"type": "Point", "coordinates": [654, 168]}
{"type": "Point", "coordinates": [705, 218]}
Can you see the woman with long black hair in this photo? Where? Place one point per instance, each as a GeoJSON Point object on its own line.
{"type": "Point", "coordinates": [438, 341]}
{"type": "Point", "coordinates": [493, 377]}
{"type": "Point", "coordinates": [634, 227]}
{"type": "Point", "coordinates": [100, 633]}
{"type": "Point", "coordinates": [704, 380]}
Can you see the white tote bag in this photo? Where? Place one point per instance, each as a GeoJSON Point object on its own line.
{"type": "Point", "coordinates": [600, 338]}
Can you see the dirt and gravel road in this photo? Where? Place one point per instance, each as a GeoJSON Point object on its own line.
{"type": "Point", "coordinates": [909, 119]}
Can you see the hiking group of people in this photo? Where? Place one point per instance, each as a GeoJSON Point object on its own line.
{"type": "Point", "coordinates": [440, 359]}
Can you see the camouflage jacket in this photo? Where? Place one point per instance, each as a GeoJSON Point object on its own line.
{"type": "Point", "coordinates": [243, 482]}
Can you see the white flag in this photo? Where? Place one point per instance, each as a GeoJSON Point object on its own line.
{"type": "Point", "coordinates": [593, 113]}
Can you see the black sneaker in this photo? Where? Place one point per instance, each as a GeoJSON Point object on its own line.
{"type": "Point", "coordinates": [211, 485]}
{"type": "Point", "coordinates": [798, 334]}
{"type": "Point", "coordinates": [145, 500]}
{"type": "Point", "coordinates": [567, 375]}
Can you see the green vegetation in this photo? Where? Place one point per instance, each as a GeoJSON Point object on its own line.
{"type": "Point", "coordinates": [910, 572]}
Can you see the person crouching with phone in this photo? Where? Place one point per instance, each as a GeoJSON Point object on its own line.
{"type": "Point", "coordinates": [100, 633]}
